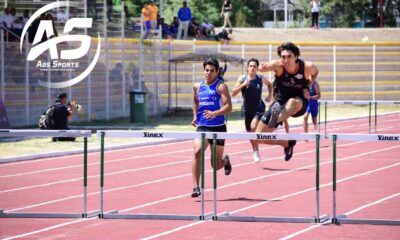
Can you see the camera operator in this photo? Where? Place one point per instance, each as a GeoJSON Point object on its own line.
{"type": "Point", "coordinates": [62, 112]}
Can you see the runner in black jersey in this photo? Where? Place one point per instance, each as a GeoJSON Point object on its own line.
{"type": "Point", "coordinates": [293, 77]}
{"type": "Point", "coordinates": [254, 107]}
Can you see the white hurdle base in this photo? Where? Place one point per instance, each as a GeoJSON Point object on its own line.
{"type": "Point", "coordinates": [342, 219]}
{"type": "Point", "coordinates": [4, 214]}
{"type": "Point", "coordinates": [115, 215]}
{"type": "Point", "coordinates": [227, 217]}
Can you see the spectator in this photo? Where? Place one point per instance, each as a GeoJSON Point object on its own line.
{"type": "Point", "coordinates": [194, 28]}
{"type": "Point", "coordinates": [226, 11]}
{"type": "Point", "coordinates": [63, 110]}
{"type": "Point", "coordinates": [9, 17]}
{"type": "Point", "coordinates": [91, 8]}
{"type": "Point", "coordinates": [116, 73]}
{"type": "Point", "coordinates": [126, 12]}
{"type": "Point", "coordinates": [184, 16]}
{"type": "Point", "coordinates": [109, 9]}
{"type": "Point", "coordinates": [174, 26]}
{"type": "Point", "coordinates": [153, 12]}
{"type": "Point", "coordinates": [165, 28]}
{"type": "Point", "coordinates": [224, 36]}
{"type": "Point", "coordinates": [208, 28]}
{"type": "Point", "coordinates": [146, 19]}
{"type": "Point", "coordinates": [315, 4]}
{"type": "Point", "coordinates": [25, 17]}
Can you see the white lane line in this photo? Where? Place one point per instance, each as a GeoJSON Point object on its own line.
{"type": "Point", "coordinates": [299, 192]}
{"type": "Point", "coordinates": [127, 187]}
{"type": "Point", "coordinates": [295, 234]}
{"type": "Point", "coordinates": [164, 233]}
{"type": "Point", "coordinates": [114, 173]}
{"type": "Point", "coordinates": [46, 229]}
{"type": "Point", "coordinates": [108, 161]}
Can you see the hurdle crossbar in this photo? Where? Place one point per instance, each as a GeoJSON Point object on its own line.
{"type": "Point", "coordinates": [144, 134]}
{"type": "Point", "coordinates": [52, 133]}
{"type": "Point", "coordinates": [370, 104]}
{"type": "Point", "coordinates": [318, 218]}
{"type": "Point", "coordinates": [342, 218]}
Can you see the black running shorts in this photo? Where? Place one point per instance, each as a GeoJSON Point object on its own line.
{"type": "Point", "coordinates": [222, 128]}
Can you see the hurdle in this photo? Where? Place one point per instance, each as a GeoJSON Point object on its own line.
{"type": "Point", "coordinates": [342, 218]}
{"type": "Point", "coordinates": [114, 214]}
{"type": "Point", "coordinates": [53, 133]}
{"type": "Point", "coordinates": [371, 104]}
{"type": "Point", "coordinates": [318, 218]}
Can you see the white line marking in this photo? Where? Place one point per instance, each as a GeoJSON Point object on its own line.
{"type": "Point", "coordinates": [302, 191]}
{"type": "Point", "coordinates": [295, 234]}
{"type": "Point", "coordinates": [173, 230]}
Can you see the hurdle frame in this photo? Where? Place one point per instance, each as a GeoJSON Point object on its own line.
{"type": "Point", "coordinates": [53, 133]}
{"type": "Point", "coordinates": [115, 214]}
{"type": "Point", "coordinates": [277, 136]}
{"type": "Point", "coordinates": [342, 218]}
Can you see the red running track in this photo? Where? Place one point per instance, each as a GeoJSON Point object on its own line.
{"type": "Point", "coordinates": [157, 179]}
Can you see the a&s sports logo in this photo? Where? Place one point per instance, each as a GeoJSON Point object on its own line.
{"type": "Point", "coordinates": [64, 60]}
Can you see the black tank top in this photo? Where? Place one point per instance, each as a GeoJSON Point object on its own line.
{"type": "Point", "coordinates": [252, 101]}
{"type": "Point", "coordinates": [227, 6]}
{"type": "Point", "coordinates": [289, 85]}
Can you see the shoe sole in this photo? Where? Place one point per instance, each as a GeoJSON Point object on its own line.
{"type": "Point", "coordinates": [227, 171]}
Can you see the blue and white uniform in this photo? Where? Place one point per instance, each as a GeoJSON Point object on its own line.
{"type": "Point", "coordinates": [312, 103]}
{"type": "Point", "coordinates": [210, 99]}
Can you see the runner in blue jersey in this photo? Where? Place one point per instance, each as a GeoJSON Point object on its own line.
{"type": "Point", "coordinates": [251, 86]}
{"type": "Point", "coordinates": [211, 102]}
{"type": "Point", "coordinates": [315, 94]}
{"type": "Point", "coordinates": [292, 77]}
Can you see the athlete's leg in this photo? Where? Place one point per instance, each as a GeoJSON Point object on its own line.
{"type": "Point", "coordinates": [305, 122]}
{"type": "Point", "coordinates": [253, 127]}
{"type": "Point", "coordinates": [220, 152]}
{"type": "Point", "coordinates": [196, 163]}
{"type": "Point", "coordinates": [293, 106]}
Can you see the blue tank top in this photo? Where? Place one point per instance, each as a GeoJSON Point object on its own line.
{"type": "Point", "coordinates": [209, 99]}
{"type": "Point", "coordinates": [313, 102]}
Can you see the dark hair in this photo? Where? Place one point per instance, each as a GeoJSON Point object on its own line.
{"type": "Point", "coordinates": [289, 46]}
{"type": "Point", "coordinates": [61, 95]}
{"type": "Point", "coordinates": [213, 62]}
{"type": "Point", "coordinates": [253, 60]}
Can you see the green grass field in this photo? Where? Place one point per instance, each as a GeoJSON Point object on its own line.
{"type": "Point", "coordinates": [181, 122]}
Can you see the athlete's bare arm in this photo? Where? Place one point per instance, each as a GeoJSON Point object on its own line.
{"type": "Point", "coordinates": [270, 88]}
{"type": "Point", "coordinates": [273, 66]}
{"type": "Point", "coordinates": [195, 106]}
{"type": "Point", "coordinates": [240, 83]}
{"type": "Point", "coordinates": [226, 103]}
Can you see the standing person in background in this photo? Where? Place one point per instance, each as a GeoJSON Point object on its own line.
{"type": "Point", "coordinates": [63, 111]}
{"type": "Point", "coordinates": [211, 102]}
{"type": "Point", "coordinates": [226, 11]}
{"type": "Point", "coordinates": [315, 94]}
{"type": "Point", "coordinates": [315, 4]}
{"type": "Point", "coordinates": [146, 19]}
{"type": "Point", "coordinates": [153, 12]}
{"type": "Point", "coordinates": [254, 107]}
{"type": "Point", "coordinates": [184, 17]}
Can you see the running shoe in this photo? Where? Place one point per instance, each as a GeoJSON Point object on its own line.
{"type": "Point", "coordinates": [196, 192]}
{"type": "Point", "coordinates": [273, 120]}
{"type": "Point", "coordinates": [289, 150]}
{"type": "Point", "coordinates": [256, 157]}
{"type": "Point", "coordinates": [228, 165]}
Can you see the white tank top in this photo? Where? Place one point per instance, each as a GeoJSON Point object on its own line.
{"type": "Point", "coordinates": [315, 6]}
